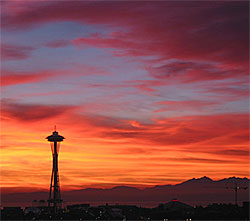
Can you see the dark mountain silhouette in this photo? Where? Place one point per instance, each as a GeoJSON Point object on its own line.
{"type": "Point", "coordinates": [199, 181]}
{"type": "Point", "coordinates": [201, 191]}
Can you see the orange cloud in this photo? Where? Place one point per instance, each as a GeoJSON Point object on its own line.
{"type": "Point", "coordinates": [105, 151]}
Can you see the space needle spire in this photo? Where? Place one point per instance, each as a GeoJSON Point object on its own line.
{"type": "Point", "coordinates": [55, 200]}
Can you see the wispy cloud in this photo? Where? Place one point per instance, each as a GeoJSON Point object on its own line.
{"type": "Point", "coordinates": [31, 112]}
{"type": "Point", "coordinates": [15, 52]}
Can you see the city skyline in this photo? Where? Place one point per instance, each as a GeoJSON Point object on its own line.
{"type": "Point", "coordinates": [146, 94]}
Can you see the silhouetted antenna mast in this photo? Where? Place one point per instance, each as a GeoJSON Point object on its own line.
{"type": "Point", "coordinates": [236, 188]}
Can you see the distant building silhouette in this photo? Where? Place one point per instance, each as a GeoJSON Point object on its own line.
{"type": "Point", "coordinates": [175, 205]}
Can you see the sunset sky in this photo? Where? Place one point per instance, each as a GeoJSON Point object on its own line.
{"type": "Point", "coordinates": [145, 93]}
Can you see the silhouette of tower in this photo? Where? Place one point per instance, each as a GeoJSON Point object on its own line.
{"type": "Point", "coordinates": [54, 193]}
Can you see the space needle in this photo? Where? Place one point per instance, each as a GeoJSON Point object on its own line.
{"type": "Point", "coordinates": [55, 200]}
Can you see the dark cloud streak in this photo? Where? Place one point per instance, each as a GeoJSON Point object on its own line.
{"type": "Point", "coordinates": [15, 52]}
{"type": "Point", "coordinates": [31, 112]}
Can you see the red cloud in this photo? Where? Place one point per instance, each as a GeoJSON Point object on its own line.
{"type": "Point", "coordinates": [13, 78]}
{"type": "Point", "coordinates": [143, 85]}
{"type": "Point", "coordinates": [233, 152]}
{"type": "Point", "coordinates": [208, 129]}
{"type": "Point", "coordinates": [201, 31]}
{"type": "Point", "coordinates": [15, 52]}
{"type": "Point", "coordinates": [226, 129]}
{"type": "Point", "coordinates": [121, 44]}
{"type": "Point", "coordinates": [21, 77]}
{"type": "Point", "coordinates": [185, 42]}
{"type": "Point", "coordinates": [231, 93]}
{"type": "Point", "coordinates": [187, 130]}
{"type": "Point", "coordinates": [31, 112]}
{"type": "Point", "coordinates": [194, 71]}
{"type": "Point", "coordinates": [184, 105]}
{"type": "Point", "coordinates": [58, 44]}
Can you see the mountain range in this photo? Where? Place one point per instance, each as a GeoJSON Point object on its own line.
{"type": "Point", "coordinates": [201, 191]}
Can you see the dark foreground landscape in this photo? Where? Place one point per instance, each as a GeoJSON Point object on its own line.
{"type": "Point", "coordinates": [195, 199]}
{"type": "Point", "coordinates": [173, 210]}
